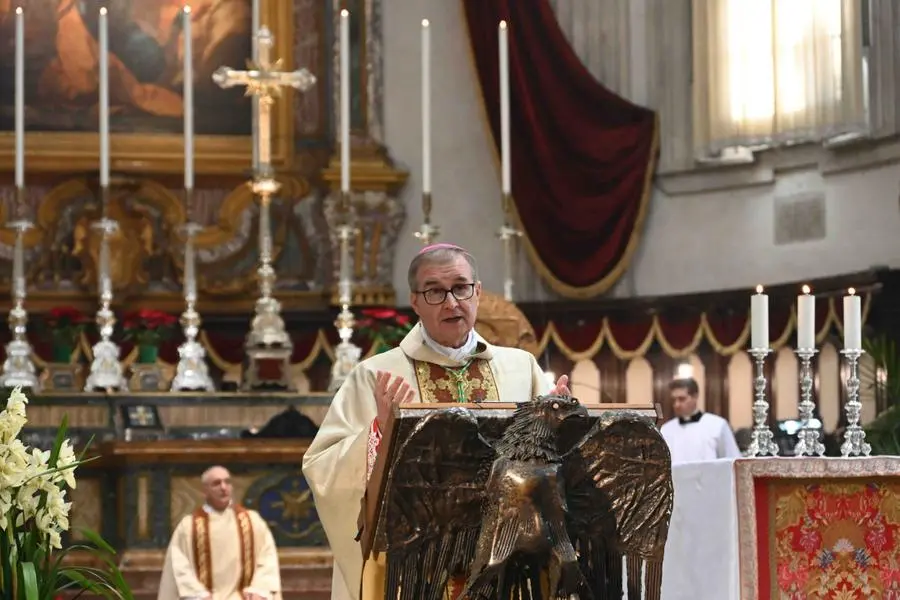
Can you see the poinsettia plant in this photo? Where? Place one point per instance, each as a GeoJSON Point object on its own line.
{"type": "Point", "coordinates": [66, 324]}
{"type": "Point", "coordinates": [34, 514]}
{"type": "Point", "coordinates": [384, 327]}
{"type": "Point", "coordinates": [147, 327]}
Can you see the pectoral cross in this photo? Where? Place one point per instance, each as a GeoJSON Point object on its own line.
{"type": "Point", "coordinates": [264, 80]}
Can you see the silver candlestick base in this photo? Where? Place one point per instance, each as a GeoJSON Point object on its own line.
{"type": "Point", "coordinates": [267, 328]}
{"type": "Point", "coordinates": [854, 436]}
{"type": "Point", "coordinates": [763, 443]}
{"type": "Point", "coordinates": [106, 370]}
{"type": "Point", "coordinates": [808, 443]}
{"type": "Point", "coordinates": [18, 368]}
{"type": "Point", "coordinates": [508, 236]}
{"type": "Point", "coordinates": [427, 233]}
{"type": "Point", "coordinates": [192, 372]}
{"type": "Point", "coordinates": [346, 354]}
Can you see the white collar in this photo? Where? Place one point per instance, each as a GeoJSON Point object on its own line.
{"type": "Point", "coordinates": [460, 354]}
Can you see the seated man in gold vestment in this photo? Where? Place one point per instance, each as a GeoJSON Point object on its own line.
{"type": "Point", "coordinates": [442, 359]}
{"type": "Point", "coordinates": [222, 551]}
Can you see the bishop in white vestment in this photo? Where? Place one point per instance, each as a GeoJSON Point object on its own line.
{"type": "Point", "coordinates": [442, 359]}
{"type": "Point", "coordinates": [222, 551]}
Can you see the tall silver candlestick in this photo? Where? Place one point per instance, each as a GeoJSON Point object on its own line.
{"type": "Point", "coordinates": [762, 443]}
{"type": "Point", "coordinates": [18, 368]}
{"type": "Point", "coordinates": [192, 372]}
{"type": "Point", "coordinates": [427, 232]}
{"type": "Point", "coordinates": [508, 236]}
{"type": "Point", "coordinates": [346, 354]}
{"type": "Point", "coordinates": [106, 370]}
{"type": "Point", "coordinates": [854, 436]}
{"type": "Point", "coordinates": [808, 443]}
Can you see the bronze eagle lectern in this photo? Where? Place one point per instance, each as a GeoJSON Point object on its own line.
{"type": "Point", "coordinates": [548, 502]}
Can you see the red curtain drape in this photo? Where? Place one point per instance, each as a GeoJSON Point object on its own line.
{"type": "Point", "coordinates": [582, 157]}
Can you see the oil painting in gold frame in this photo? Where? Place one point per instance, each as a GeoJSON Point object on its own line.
{"type": "Point", "coordinates": [145, 85]}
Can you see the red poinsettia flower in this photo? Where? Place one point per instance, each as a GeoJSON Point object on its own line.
{"type": "Point", "coordinates": [147, 326]}
{"type": "Point", "coordinates": [385, 327]}
{"type": "Point", "coordinates": [65, 324]}
{"type": "Point", "coordinates": [382, 314]}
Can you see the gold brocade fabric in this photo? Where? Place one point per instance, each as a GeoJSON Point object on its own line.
{"type": "Point", "coordinates": [472, 382]}
{"type": "Point", "coordinates": [203, 549]}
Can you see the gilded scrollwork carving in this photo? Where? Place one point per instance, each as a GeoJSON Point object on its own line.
{"type": "Point", "coordinates": [147, 214]}
{"type": "Point", "coordinates": [501, 322]}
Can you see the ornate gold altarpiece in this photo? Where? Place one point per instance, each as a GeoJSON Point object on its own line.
{"type": "Point", "coordinates": [147, 252]}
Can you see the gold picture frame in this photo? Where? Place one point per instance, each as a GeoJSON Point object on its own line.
{"type": "Point", "coordinates": [55, 152]}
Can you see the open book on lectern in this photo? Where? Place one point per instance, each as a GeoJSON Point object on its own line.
{"type": "Point", "coordinates": [541, 499]}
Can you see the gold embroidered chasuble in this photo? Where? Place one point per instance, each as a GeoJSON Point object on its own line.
{"type": "Point", "coordinates": [335, 465]}
{"type": "Point", "coordinates": [222, 553]}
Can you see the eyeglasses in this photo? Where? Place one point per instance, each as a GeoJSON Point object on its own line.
{"type": "Point", "coordinates": [460, 291]}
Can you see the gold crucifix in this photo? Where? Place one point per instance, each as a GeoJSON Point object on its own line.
{"type": "Point", "coordinates": [264, 80]}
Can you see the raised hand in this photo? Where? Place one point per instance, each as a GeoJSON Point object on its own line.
{"type": "Point", "coordinates": [390, 390]}
{"type": "Point", "coordinates": [562, 387]}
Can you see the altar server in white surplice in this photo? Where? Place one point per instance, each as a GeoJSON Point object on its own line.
{"type": "Point", "coordinates": [222, 551]}
{"type": "Point", "coordinates": [442, 359]}
{"type": "Point", "coordinates": [694, 435]}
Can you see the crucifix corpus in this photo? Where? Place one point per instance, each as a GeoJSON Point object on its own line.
{"type": "Point", "coordinates": [268, 341]}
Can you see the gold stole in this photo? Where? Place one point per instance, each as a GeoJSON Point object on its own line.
{"type": "Point", "coordinates": [203, 555]}
{"type": "Point", "coordinates": [471, 382]}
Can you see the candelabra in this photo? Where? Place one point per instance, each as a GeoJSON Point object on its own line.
{"type": "Point", "coordinates": [346, 354]}
{"type": "Point", "coordinates": [106, 370]}
{"type": "Point", "coordinates": [854, 436]}
{"type": "Point", "coordinates": [508, 236]}
{"type": "Point", "coordinates": [808, 437]}
{"type": "Point", "coordinates": [427, 232]}
{"type": "Point", "coordinates": [191, 372]}
{"type": "Point", "coordinates": [762, 443]}
{"type": "Point", "coordinates": [18, 368]}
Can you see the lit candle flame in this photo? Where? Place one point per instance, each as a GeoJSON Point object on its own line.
{"type": "Point", "coordinates": [187, 10]}
{"type": "Point", "coordinates": [103, 11]}
{"type": "Point", "coordinates": [424, 22]}
{"type": "Point", "coordinates": [852, 291]}
{"type": "Point", "coordinates": [345, 13]}
{"type": "Point", "coordinates": [502, 24]}
{"type": "Point", "coordinates": [806, 289]}
{"type": "Point", "coordinates": [19, 10]}
{"type": "Point", "coordinates": [759, 289]}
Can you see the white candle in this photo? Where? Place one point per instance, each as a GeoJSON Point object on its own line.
{"type": "Point", "coordinates": [759, 319]}
{"type": "Point", "coordinates": [254, 23]}
{"type": "Point", "coordinates": [806, 320]}
{"type": "Point", "coordinates": [345, 101]}
{"type": "Point", "coordinates": [504, 109]}
{"type": "Point", "coordinates": [852, 321]}
{"type": "Point", "coordinates": [426, 107]}
{"type": "Point", "coordinates": [188, 101]}
{"type": "Point", "coordinates": [104, 99]}
{"type": "Point", "coordinates": [20, 98]}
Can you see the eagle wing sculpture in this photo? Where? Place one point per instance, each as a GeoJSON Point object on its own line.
{"type": "Point", "coordinates": [620, 496]}
{"type": "Point", "coordinates": [433, 514]}
{"type": "Point", "coordinates": [514, 516]}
